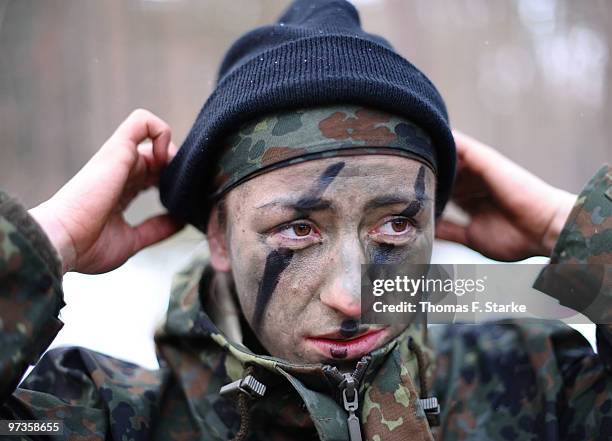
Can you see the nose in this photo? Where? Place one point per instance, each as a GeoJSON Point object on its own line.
{"type": "Point", "coordinates": [345, 301]}
{"type": "Point", "coordinates": [342, 293]}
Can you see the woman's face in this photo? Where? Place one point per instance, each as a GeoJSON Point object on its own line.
{"type": "Point", "coordinates": [295, 240]}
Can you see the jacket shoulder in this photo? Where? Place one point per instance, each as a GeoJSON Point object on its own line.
{"type": "Point", "coordinates": [523, 377]}
{"type": "Point", "coordinates": [83, 377]}
{"type": "Point", "coordinates": [91, 393]}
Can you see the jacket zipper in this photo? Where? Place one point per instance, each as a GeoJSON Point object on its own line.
{"type": "Point", "coordinates": [348, 384]}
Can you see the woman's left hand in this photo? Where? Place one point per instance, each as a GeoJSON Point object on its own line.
{"type": "Point", "coordinates": [513, 214]}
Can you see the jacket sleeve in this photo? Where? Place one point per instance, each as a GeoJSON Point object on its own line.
{"type": "Point", "coordinates": [583, 253]}
{"type": "Point", "coordinates": [31, 293]}
{"type": "Point", "coordinates": [580, 277]}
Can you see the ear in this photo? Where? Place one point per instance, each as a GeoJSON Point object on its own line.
{"type": "Point", "coordinates": [217, 242]}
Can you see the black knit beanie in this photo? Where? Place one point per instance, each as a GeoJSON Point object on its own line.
{"type": "Point", "coordinates": [316, 54]}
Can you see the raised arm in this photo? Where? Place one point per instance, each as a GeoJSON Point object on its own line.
{"type": "Point", "coordinates": [80, 228]}
{"type": "Point", "coordinates": [30, 293]}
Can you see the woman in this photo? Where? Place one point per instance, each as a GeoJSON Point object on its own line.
{"type": "Point", "coordinates": [299, 172]}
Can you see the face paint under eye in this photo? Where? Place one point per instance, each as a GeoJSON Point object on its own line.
{"type": "Point", "coordinates": [276, 262]}
{"type": "Point", "coordinates": [419, 191]}
{"type": "Point", "coordinates": [387, 253]}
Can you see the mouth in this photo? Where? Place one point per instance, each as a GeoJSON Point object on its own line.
{"type": "Point", "coordinates": [334, 346]}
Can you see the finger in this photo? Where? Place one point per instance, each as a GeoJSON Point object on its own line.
{"type": "Point", "coordinates": [172, 151]}
{"type": "Point", "coordinates": [459, 143]}
{"type": "Point", "coordinates": [475, 155]}
{"type": "Point", "coordinates": [154, 230]}
{"type": "Point", "coordinates": [155, 162]}
{"type": "Point", "coordinates": [163, 159]}
{"type": "Point", "coordinates": [465, 143]}
{"type": "Point", "coordinates": [142, 124]}
{"type": "Point", "coordinates": [145, 152]}
{"type": "Point", "coordinates": [145, 172]}
{"type": "Point", "coordinates": [152, 169]}
{"type": "Point", "coordinates": [142, 174]}
{"type": "Point", "coordinates": [500, 175]}
{"type": "Point", "coordinates": [448, 230]}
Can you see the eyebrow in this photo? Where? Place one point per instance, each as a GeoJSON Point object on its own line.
{"type": "Point", "coordinates": [392, 199]}
{"type": "Point", "coordinates": [298, 205]}
{"type": "Point", "coordinates": [302, 205]}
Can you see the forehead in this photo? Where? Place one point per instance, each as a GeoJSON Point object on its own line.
{"type": "Point", "coordinates": [359, 176]}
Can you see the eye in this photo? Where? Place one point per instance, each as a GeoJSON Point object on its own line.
{"type": "Point", "coordinates": [395, 227]}
{"type": "Point", "coordinates": [301, 230]}
{"type": "Point", "coordinates": [297, 231]}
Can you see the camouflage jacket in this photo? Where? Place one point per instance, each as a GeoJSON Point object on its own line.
{"type": "Point", "coordinates": [536, 380]}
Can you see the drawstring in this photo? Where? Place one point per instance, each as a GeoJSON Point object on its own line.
{"type": "Point", "coordinates": [425, 334]}
{"type": "Point", "coordinates": [432, 409]}
{"type": "Point", "coordinates": [244, 409]}
{"type": "Point", "coordinates": [418, 352]}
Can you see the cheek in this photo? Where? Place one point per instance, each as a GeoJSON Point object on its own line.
{"type": "Point", "coordinates": [278, 283]}
{"type": "Point", "coordinates": [297, 288]}
{"type": "Point", "coordinates": [248, 258]}
{"type": "Point", "coordinates": [280, 311]}
{"type": "Point", "coordinates": [247, 268]}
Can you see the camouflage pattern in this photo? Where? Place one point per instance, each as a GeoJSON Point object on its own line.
{"type": "Point", "coordinates": [291, 137]}
{"type": "Point", "coordinates": [519, 380]}
{"type": "Point", "coordinates": [30, 294]}
{"type": "Point", "coordinates": [581, 258]}
{"type": "Point", "coordinates": [530, 379]}
{"type": "Point", "coordinates": [587, 235]}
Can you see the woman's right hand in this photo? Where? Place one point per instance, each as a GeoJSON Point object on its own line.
{"type": "Point", "coordinates": [84, 219]}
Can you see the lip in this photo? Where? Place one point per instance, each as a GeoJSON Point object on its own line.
{"type": "Point", "coordinates": [355, 347]}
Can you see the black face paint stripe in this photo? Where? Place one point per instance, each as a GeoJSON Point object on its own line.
{"type": "Point", "coordinates": [276, 262]}
{"type": "Point", "coordinates": [385, 253]}
{"type": "Point", "coordinates": [349, 328]}
{"type": "Point", "coordinates": [419, 191]}
{"type": "Point", "coordinates": [389, 253]}
{"type": "Point", "coordinates": [312, 198]}
{"type": "Point", "coordinates": [419, 184]}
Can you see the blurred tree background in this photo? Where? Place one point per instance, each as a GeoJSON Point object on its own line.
{"type": "Point", "coordinates": [530, 77]}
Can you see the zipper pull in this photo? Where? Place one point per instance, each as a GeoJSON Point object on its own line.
{"type": "Point", "coordinates": [350, 397]}
{"type": "Point", "coordinates": [349, 385]}
{"type": "Point", "coordinates": [247, 385]}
